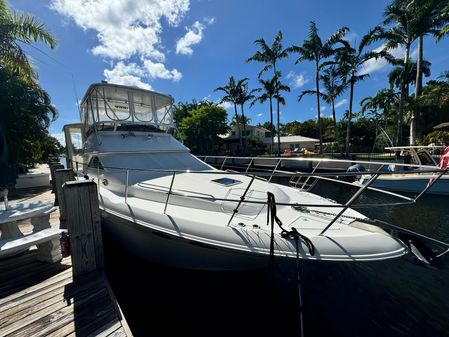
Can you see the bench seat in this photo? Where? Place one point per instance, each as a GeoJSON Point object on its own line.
{"type": "Point", "coordinates": [46, 240]}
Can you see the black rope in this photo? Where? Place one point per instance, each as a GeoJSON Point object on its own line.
{"type": "Point", "coordinates": [298, 278]}
{"type": "Point", "coordinates": [293, 234]}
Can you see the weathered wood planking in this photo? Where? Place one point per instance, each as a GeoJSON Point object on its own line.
{"type": "Point", "coordinates": [61, 177]}
{"type": "Point", "coordinates": [58, 305]}
{"type": "Point", "coordinates": [84, 226]}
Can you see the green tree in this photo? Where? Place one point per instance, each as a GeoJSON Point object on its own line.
{"type": "Point", "coordinates": [25, 114]}
{"type": "Point", "coordinates": [268, 90]}
{"type": "Point", "coordinates": [397, 75]}
{"type": "Point", "coordinates": [315, 50]}
{"type": "Point", "coordinates": [407, 21]}
{"type": "Point", "coordinates": [18, 28]}
{"type": "Point", "coordinates": [270, 56]}
{"type": "Point", "coordinates": [200, 130]}
{"type": "Point", "coordinates": [350, 62]}
{"type": "Point", "coordinates": [232, 95]}
{"type": "Point", "coordinates": [244, 95]}
{"type": "Point", "coordinates": [181, 109]}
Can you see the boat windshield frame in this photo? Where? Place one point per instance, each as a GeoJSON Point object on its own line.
{"type": "Point", "coordinates": [112, 106]}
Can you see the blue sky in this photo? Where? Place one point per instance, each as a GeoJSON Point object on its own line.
{"type": "Point", "coordinates": [187, 48]}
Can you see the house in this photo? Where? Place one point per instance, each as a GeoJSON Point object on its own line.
{"type": "Point", "coordinates": [293, 143]}
{"type": "Point", "coordinates": [232, 139]}
{"type": "Point", "coordinates": [251, 130]}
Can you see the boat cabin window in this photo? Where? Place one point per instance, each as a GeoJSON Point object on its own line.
{"type": "Point", "coordinates": [76, 141]}
{"type": "Point", "coordinates": [96, 163]}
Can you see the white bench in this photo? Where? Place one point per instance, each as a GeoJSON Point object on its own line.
{"type": "Point", "coordinates": [13, 241]}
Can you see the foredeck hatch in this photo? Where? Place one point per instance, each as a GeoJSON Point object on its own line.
{"type": "Point", "coordinates": [226, 181]}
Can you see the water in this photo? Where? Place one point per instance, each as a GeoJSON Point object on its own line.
{"type": "Point", "coordinates": [383, 298]}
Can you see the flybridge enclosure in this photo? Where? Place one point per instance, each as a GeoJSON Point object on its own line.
{"type": "Point", "coordinates": [107, 106]}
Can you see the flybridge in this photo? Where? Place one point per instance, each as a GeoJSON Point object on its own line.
{"type": "Point", "coordinates": [115, 105]}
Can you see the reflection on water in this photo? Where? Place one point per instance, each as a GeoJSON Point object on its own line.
{"type": "Point", "coordinates": [383, 298]}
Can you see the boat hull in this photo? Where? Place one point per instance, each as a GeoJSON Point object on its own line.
{"type": "Point", "coordinates": [412, 185]}
{"type": "Point", "coordinates": [166, 249]}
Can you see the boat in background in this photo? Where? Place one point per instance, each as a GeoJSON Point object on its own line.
{"type": "Point", "coordinates": [416, 177]}
{"type": "Point", "coordinates": [166, 205]}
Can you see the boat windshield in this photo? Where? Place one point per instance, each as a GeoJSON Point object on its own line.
{"type": "Point", "coordinates": [108, 104]}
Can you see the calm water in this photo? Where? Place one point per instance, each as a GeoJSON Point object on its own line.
{"type": "Point", "coordinates": [384, 298]}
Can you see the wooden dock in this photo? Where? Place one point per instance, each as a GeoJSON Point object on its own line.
{"type": "Point", "coordinates": [46, 299]}
{"type": "Point", "coordinates": [42, 299]}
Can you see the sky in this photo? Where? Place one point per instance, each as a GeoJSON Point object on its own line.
{"type": "Point", "coordinates": [187, 48]}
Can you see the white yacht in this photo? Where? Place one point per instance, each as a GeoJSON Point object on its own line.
{"type": "Point", "coordinates": [416, 177]}
{"type": "Point", "coordinates": [164, 204]}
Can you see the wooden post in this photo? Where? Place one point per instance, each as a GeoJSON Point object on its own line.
{"type": "Point", "coordinates": [53, 168]}
{"type": "Point", "coordinates": [61, 177]}
{"type": "Point", "coordinates": [84, 226]}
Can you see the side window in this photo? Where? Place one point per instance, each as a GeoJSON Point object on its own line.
{"type": "Point", "coordinates": [96, 163]}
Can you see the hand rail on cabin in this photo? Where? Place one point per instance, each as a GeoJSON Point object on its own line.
{"type": "Point", "coordinates": [324, 176]}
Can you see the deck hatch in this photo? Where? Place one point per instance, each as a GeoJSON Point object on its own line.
{"type": "Point", "coordinates": [226, 181]}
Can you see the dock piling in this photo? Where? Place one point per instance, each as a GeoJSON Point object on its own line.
{"type": "Point", "coordinates": [84, 226]}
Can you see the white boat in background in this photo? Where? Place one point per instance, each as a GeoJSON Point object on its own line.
{"type": "Point", "coordinates": [164, 204]}
{"type": "Point", "coordinates": [414, 178]}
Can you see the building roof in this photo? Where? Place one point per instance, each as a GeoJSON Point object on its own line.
{"type": "Point", "coordinates": [291, 139]}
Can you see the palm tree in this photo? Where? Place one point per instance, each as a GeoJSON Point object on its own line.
{"type": "Point", "coordinates": [411, 20]}
{"type": "Point", "coordinates": [315, 50]}
{"type": "Point", "coordinates": [244, 95]}
{"type": "Point", "coordinates": [268, 90]}
{"type": "Point", "coordinates": [334, 85]}
{"type": "Point", "coordinates": [383, 101]}
{"type": "Point", "coordinates": [397, 75]}
{"type": "Point", "coordinates": [17, 28]}
{"type": "Point", "coordinates": [232, 96]}
{"type": "Point", "coordinates": [444, 17]}
{"type": "Point", "coordinates": [279, 101]}
{"type": "Point", "coordinates": [351, 61]}
{"type": "Point", "coordinates": [270, 56]}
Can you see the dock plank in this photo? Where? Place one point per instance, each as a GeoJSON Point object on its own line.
{"type": "Point", "coordinates": [39, 299]}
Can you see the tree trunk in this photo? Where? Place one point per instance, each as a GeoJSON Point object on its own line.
{"type": "Point", "coordinates": [278, 131]}
{"type": "Point", "coordinates": [238, 126]}
{"type": "Point", "coordinates": [272, 126]}
{"type": "Point", "coordinates": [244, 129]}
{"type": "Point", "coordinates": [418, 90]}
{"type": "Point", "coordinates": [317, 79]}
{"type": "Point", "coordinates": [404, 94]}
{"type": "Point", "coordinates": [348, 126]}
{"type": "Point", "coordinates": [335, 125]}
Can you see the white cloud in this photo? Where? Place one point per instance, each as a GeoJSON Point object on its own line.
{"type": "Point", "coordinates": [259, 115]}
{"type": "Point", "coordinates": [341, 102]}
{"type": "Point", "coordinates": [132, 73]}
{"type": "Point", "coordinates": [127, 74]}
{"type": "Point", "coordinates": [322, 108]}
{"type": "Point", "coordinates": [374, 65]}
{"type": "Point", "coordinates": [193, 36]}
{"type": "Point", "coordinates": [351, 37]}
{"type": "Point", "coordinates": [297, 80]}
{"type": "Point", "coordinates": [127, 29]}
{"type": "Point", "coordinates": [226, 105]}
{"type": "Point", "coordinates": [209, 21]}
